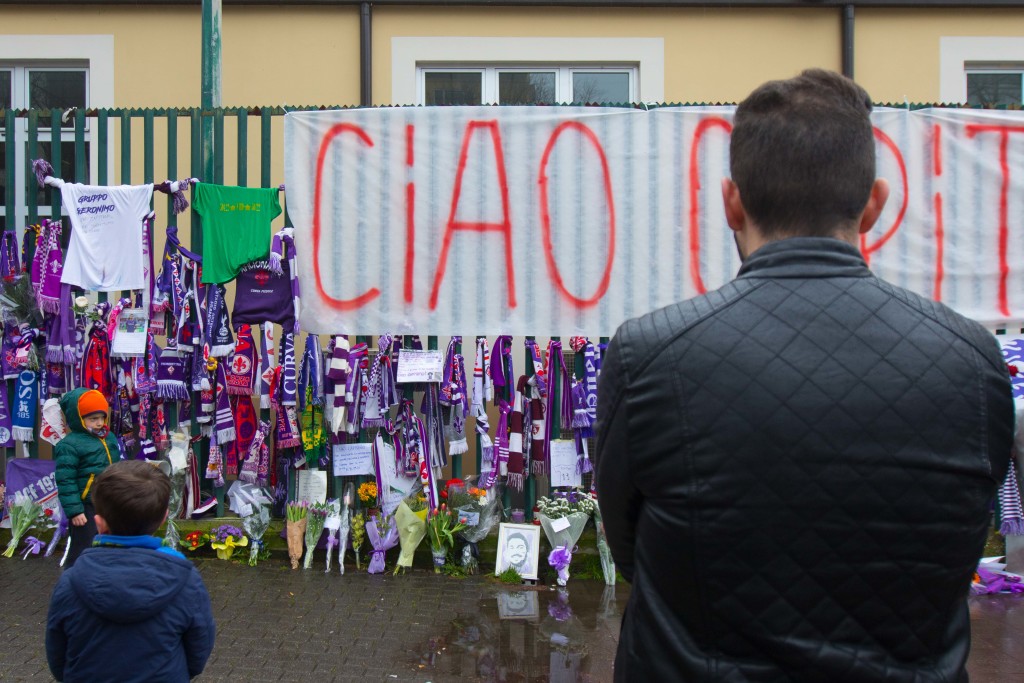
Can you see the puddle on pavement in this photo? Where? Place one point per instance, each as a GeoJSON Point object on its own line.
{"type": "Point", "coordinates": [562, 635]}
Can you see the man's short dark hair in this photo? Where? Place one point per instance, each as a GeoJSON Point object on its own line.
{"type": "Point", "coordinates": [517, 535]}
{"type": "Point", "coordinates": [131, 496]}
{"type": "Point", "coordinates": [803, 154]}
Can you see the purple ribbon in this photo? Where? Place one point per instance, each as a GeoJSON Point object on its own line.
{"type": "Point", "coordinates": [33, 546]}
{"type": "Point", "coordinates": [380, 544]}
{"type": "Point", "coordinates": [559, 559]}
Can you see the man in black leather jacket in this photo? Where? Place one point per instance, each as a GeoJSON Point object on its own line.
{"type": "Point", "coordinates": [796, 471]}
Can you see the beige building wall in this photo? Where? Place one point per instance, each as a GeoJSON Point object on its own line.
{"type": "Point", "coordinates": [898, 51]}
{"type": "Point", "coordinates": [710, 55]}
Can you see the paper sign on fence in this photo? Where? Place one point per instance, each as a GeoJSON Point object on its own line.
{"type": "Point", "coordinates": [564, 470]}
{"type": "Point", "coordinates": [353, 459]}
{"type": "Point", "coordinates": [419, 366]}
{"type": "Point", "coordinates": [312, 486]}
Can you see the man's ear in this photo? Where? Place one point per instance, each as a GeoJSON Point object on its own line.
{"type": "Point", "coordinates": [876, 202]}
{"type": "Point", "coordinates": [735, 214]}
{"type": "Point", "coordinates": [101, 525]}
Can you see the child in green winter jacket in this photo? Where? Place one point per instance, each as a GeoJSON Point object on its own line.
{"type": "Point", "coordinates": [87, 450]}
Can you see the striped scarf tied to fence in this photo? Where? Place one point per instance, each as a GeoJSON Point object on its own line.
{"type": "Point", "coordinates": [1010, 505]}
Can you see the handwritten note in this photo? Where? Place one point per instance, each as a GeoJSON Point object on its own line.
{"type": "Point", "coordinates": [396, 486]}
{"type": "Point", "coordinates": [419, 366]}
{"type": "Point", "coordinates": [564, 470]}
{"type": "Point", "coordinates": [353, 459]}
{"type": "Point", "coordinates": [312, 486]}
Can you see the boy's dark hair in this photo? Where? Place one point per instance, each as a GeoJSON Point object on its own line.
{"type": "Point", "coordinates": [803, 154]}
{"type": "Point", "coordinates": [131, 496]}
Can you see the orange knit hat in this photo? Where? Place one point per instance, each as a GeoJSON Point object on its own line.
{"type": "Point", "coordinates": [91, 402]}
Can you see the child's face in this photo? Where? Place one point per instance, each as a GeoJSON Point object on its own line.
{"type": "Point", "coordinates": [95, 421]}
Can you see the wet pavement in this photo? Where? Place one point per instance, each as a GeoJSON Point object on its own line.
{"type": "Point", "coordinates": [277, 624]}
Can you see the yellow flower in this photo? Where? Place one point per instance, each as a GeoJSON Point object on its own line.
{"type": "Point", "coordinates": [227, 548]}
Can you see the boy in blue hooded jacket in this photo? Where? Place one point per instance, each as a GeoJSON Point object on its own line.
{"type": "Point", "coordinates": [130, 609]}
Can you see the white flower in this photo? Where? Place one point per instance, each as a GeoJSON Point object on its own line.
{"type": "Point", "coordinates": [81, 302]}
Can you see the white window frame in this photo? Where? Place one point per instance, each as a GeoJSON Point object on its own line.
{"type": "Point", "coordinates": [960, 55]}
{"type": "Point", "coordinates": [91, 53]}
{"type": "Point", "coordinates": [491, 74]}
{"type": "Point", "coordinates": [410, 55]}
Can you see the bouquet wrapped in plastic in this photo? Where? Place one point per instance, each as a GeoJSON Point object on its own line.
{"type": "Point", "coordinates": [296, 529]}
{"type": "Point", "coordinates": [383, 535]}
{"type": "Point", "coordinates": [411, 519]}
{"type": "Point", "coordinates": [256, 525]}
{"type": "Point", "coordinates": [338, 522]}
{"type": "Point", "coordinates": [315, 519]}
{"type": "Point", "coordinates": [24, 514]}
{"type": "Point", "coordinates": [59, 521]}
{"type": "Point", "coordinates": [358, 528]}
{"type": "Point", "coordinates": [563, 516]}
{"type": "Point", "coordinates": [481, 508]}
{"type": "Point", "coordinates": [442, 525]}
{"type": "Point", "coordinates": [226, 538]}
{"type": "Point", "coordinates": [178, 458]}
{"type": "Point", "coordinates": [607, 563]}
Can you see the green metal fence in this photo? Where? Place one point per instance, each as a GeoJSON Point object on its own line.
{"type": "Point", "coordinates": [93, 146]}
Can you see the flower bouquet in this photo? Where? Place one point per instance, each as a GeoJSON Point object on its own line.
{"type": "Point", "coordinates": [358, 534]}
{"type": "Point", "coordinates": [368, 495]}
{"type": "Point", "coordinates": [338, 523]}
{"type": "Point", "coordinates": [563, 516]}
{"type": "Point", "coordinates": [383, 534]}
{"type": "Point", "coordinates": [59, 522]}
{"type": "Point", "coordinates": [315, 519]}
{"type": "Point", "coordinates": [178, 458]}
{"type": "Point", "coordinates": [24, 514]}
{"type": "Point", "coordinates": [194, 540]}
{"type": "Point", "coordinates": [607, 563]}
{"type": "Point", "coordinates": [226, 538]}
{"type": "Point", "coordinates": [442, 526]}
{"type": "Point", "coordinates": [411, 518]}
{"type": "Point", "coordinates": [255, 526]}
{"type": "Point", "coordinates": [296, 514]}
{"type": "Point", "coordinates": [481, 509]}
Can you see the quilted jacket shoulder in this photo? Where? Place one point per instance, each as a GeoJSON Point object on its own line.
{"type": "Point", "coordinates": [795, 472]}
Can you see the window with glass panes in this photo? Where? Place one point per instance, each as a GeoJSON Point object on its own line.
{"type": "Point", "coordinates": [988, 87]}
{"type": "Point", "coordinates": [42, 87]}
{"type": "Point", "coordinates": [441, 85]}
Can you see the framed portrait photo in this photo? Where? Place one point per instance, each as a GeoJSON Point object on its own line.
{"type": "Point", "coordinates": [518, 547]}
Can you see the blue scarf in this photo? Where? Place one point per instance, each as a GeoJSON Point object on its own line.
{"type": "Point", "coordinates": [26, 403]}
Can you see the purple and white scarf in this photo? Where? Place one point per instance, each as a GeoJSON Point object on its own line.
{"type": "Point", "coordinates": [53, 268]}
{"type": "Point", "coordinates": [501, 367]}
{"type": "Point", "coordinates": [9, 266]}
{"type": "Point", "coordinates": [172, 373]}
{"type": "Point", "coordinates": [288, 388]}
{"type": "Point", "coordinates": [311, 373]}
{"type": "Point", "coordinates": [354, 394]}
{"type": "Point", "coordinates": [1010, 505]}
{"type": "Point", "coordinates": [382, 392]}
{"type": "Point", "coordinates": [455, 397]}
{"type": "Point", "coordinates": [336, 380]}
{"type": "Point", "coordinates": [268, 363]}
{"type": "Point", "coordinates": [6, 433]}
{"type": "Point", "coordinates": [586, 420]}
{"type": "Point", "coordinates": [284, 241]}
{"type": "Point", "coordinates": [250, 471]}
{"type": "Point", "coordinates": [217, 324]}
{"type": "Point", "coordinates": [224, 418]}
{"type": "Point", "coordinates": [60, 346]}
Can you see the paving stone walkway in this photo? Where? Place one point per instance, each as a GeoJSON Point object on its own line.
{"type": "Point", "coordinates": [275, 624]}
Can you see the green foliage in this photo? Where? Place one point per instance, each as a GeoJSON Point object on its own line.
{"type": "Point", "coordinates": [456, 571]}
{"type": "Point", "coordinates": [510, 576]}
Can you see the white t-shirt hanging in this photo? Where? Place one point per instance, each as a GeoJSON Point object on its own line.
{"type": "Point", "coordinates": [105, 252]}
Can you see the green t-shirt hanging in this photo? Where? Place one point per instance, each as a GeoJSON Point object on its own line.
{"type": "Point", "coordinates": [236, 227]}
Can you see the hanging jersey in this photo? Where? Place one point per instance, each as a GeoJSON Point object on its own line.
{"type": "Point", "coordinates": [236, 227]}
{"type": "Point", "coordinates": [105, 252]}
